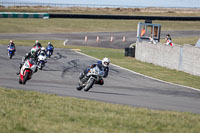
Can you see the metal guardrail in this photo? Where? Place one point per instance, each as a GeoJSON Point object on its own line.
{"type": "Point", "coordinates": [90, 16]}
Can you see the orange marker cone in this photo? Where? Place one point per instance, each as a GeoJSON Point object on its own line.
{"type": "Point", "coordinates": [97, 38]}
{"type": "Point", "coordinates": [124, 39]}
{"type": "Point", "coordinates": [111, 39]}
{"type": "Point", "coordinates": [86, 38]}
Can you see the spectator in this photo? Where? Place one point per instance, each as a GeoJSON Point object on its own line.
{"type": "Point", "coordinates": [168, 40]}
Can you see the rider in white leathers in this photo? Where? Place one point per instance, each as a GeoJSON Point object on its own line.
{"type": "Point", "coordinates": [103, 65]}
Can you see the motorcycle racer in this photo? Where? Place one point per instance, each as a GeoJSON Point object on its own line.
{"type": "Point", "coordinates": [42, 51]}
{"type": "Point", "coordinates": [49, 44]}
{"type": "Point", "coordinates": [32, 54]}
{"type": "Point", "coordinates": [11, 44]}
{"type": "Point", "coordinates": [49, 49]}
{"type": "Point", "coordinates": [42, 55]}
{"type": "Point", "coordinates": [37, 43]}
{"type": "Point", "coordinates": [103, 65]}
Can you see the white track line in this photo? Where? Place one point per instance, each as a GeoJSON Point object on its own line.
{"type": "Point", "coordinates": [141, 74]}
{"type": "Point", "coordinates": [64, 43]}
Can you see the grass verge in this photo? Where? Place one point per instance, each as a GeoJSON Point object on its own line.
{"type": "Point", "coordinates": [117, 57]}
{"type": "Point", "coordinates": [33, 112]}
{"type": "Point", "coordinates": [20, 25]}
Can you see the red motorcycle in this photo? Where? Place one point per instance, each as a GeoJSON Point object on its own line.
{"type": "Point", "coordinates": [27, 70]}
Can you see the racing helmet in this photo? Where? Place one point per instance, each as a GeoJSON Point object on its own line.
{"type": "Point", "coordinates": [105, 62]}
{"type": "Point", "coordinates": [36, 42]}
{"type": "Point", "coordinates": [49, 43]}
{"type": "Point", "coordinates": [42, 49]}
{"type": "Point", "coordinates": [11, 41]}
{"type": "Point", "coordinates": [33, 52]}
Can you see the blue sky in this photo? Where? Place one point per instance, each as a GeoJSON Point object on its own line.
{"type": "Point", "coordinates": [146, 3]}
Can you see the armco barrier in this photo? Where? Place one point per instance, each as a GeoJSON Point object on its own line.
{"type": "Point", "coordinates": [183, 58]}
{"type": "Point", "coordinates": [23, 15]}
{"type": "Point", "coordinates": [93, 16]}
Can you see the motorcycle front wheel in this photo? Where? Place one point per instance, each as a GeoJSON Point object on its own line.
{"type": "Point", "coordinates": [25, 78]}
{"type": "Point", "coordinates": [10, 56]}
{"type": "Point", "coordinates": [40, 66]}
{"type": "Point", "coordinates": [20, 81]}
{"type": "Point", "coordinates": [89, 84]}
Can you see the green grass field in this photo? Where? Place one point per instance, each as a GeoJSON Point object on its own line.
{"type": "Point", "coordinates": [17, 25]}
{"type": "Point", "coordinates": [33, 112]}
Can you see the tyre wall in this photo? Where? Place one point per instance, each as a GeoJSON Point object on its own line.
{"type": "Point", "coordinates": [23, 15]}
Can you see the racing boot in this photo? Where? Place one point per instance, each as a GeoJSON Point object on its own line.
{"type": "Point", "coordinates": [20, 66]}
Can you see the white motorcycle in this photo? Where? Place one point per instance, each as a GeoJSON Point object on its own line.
{"type": "Point", "coordinates": [93, 76]}
{"type": "Point", "coordinates": [27, 71]}
{"type": "Point", "coordinates": [42, 59]}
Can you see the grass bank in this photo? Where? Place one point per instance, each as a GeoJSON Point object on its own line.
{"type": "Point", "coordinates": [20, 25]}
{"type": "Point", "coordinates": [117, 57]}
{"type": "Point", "coordinates": [121, 11]}
{"type": "Point", "coordinates": [33, 112]}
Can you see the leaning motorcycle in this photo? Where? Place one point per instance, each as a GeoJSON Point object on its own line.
{"type": "Point", "coordinates": [93, 76]}
{"type": "Point", "coordinates": [49, 51]}
{"type": "Point", "coordinates": [41, 60]}
{"type": "Point", "coordinates": [11, 52]}
{"type": "Point", "coordinates": [27, 70]}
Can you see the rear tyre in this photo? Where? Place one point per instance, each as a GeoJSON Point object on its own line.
{"type": "Point", "coordinates": [89, 84]}
{"type": "Point", "coordinates": [25, 78]}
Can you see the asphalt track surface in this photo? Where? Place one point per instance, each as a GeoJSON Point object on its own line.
{"type": "Point", "coordinates": [61, 73]}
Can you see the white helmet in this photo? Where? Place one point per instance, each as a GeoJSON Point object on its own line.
{"type": "Point", "coordinates": [49, 43]}
{"type": "Point", "coordinates": [105, 62]}
{"type": "Point", "coordinates": [42, 49]}
{"type": "Point", "coordinates": [11, 41]}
